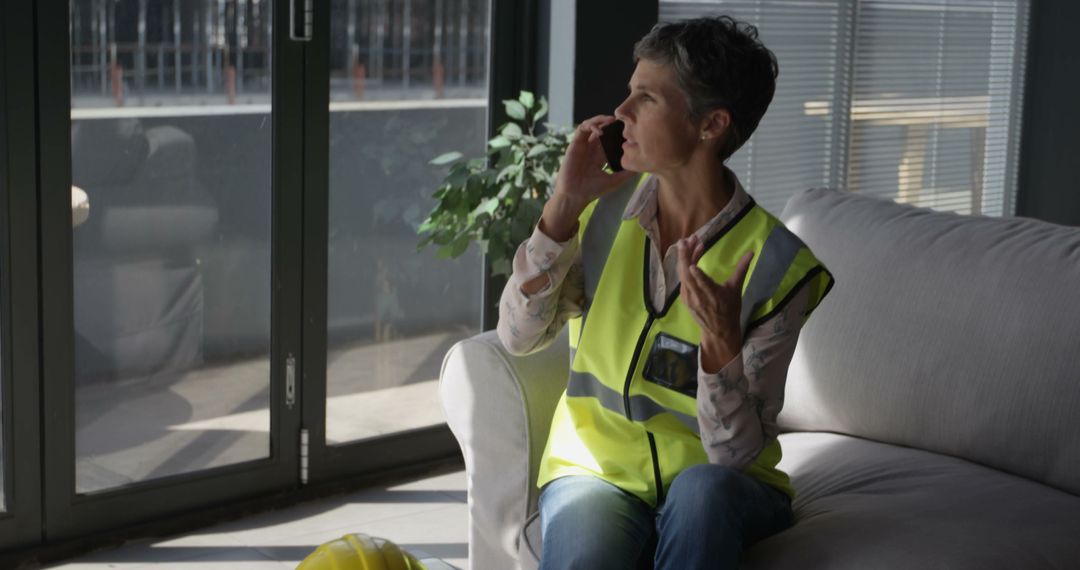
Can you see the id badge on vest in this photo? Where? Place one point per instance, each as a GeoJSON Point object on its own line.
{"type": "Point", "coordinates": [673, 364]}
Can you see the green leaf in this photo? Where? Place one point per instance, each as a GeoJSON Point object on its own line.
{"type": "Point", "coordinates": [456, 179]}
{"type": "Point", "coordinates": [443, 237]}
{"type": "Point", "coordinates": [505, 190]}
{"type": "Point", "coordinates": [511, 170]}
{"type": "Point", "coordinates": [527, 99]}
{"type": "Point", "coordinates": [446, 158]}
{"type": "Point", "coordinates": [473, 190]}
{"type": "Point", "coordinates": [500, 142]}
{"type": "Point", "coordinates": [489, 205]}
{"type": "Point", "coordinates": [427, 226]}
{"type": "Point", "coordinates": [524, 219]}
{"type": "Point", "coordinates": [542, 112]}
{"type": "Point", "coordinates": [536, 151]}
{"type": "Point", "coordinates": [459, 246]}
{"type": "Point", "coordinates": [514, 110]}
{"type": "Point", "coordinates": [461, 209]}
{"type": "Point", "coordinates": [489, 177]}
{"type": "Point", "coordinates": [512, 131]}
{"type": "Point", "coordinates": [505, 158]}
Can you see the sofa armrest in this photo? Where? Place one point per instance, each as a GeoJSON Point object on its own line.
{"type": "Point", "coordinates": [499, 407]}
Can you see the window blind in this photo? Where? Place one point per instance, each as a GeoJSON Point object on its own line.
{"type": "Point", "coordinates": [913, 101]}
{"type": "Point", "coordinates": [934, 116]}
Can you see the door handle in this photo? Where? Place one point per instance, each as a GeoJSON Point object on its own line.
{"type": "Point", "coordinates": [301, 20]}
{"type": "Point", "coordinates": [290, 381]}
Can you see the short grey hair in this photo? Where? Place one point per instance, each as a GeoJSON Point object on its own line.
{"type": "Point", "coordinates": [719, 63]}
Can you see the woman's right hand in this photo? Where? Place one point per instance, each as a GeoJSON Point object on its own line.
{"type": "Point", "coordinates": [581, 179]}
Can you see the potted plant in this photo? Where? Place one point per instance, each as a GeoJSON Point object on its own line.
{"type": "Point", "coordinates": [496, 200]}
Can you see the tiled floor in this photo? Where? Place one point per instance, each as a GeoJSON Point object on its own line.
{"type": "Point", "coordinates": [427, 516]}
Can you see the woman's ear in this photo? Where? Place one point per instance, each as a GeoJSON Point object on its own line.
{"type": "Point", "coordinates": [716, 124]}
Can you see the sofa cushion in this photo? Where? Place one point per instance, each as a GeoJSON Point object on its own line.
{"type": "Point", "coordinates": [955, 334]}
{"type": "Point", "coordinates": [862, 504]}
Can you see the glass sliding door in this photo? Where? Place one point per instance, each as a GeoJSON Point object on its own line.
{"type": "Point", "coordinates": [171, 172]}
{"type": "Point", "coordinates": [227, 204]}
{"type": "Point", "coordinates": [408, 82]}
{"type": "Point", "coordinates": [173, 303]}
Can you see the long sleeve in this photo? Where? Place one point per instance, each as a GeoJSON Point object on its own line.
{"type": "Point", "coordinates": [738, 406]}
{"type": "Point", "coordinates": [529, 323]}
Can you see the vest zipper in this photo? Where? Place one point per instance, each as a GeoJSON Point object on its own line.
{"type": "Point", "coordinates": [656, 470]}
{"type": "Point", "coordinates": [633, 366]}
{"type": "Point", "coordinates": [626, 406]}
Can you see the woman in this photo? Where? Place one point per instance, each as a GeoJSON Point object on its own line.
{"type": "Point", "coordinates": [684, 299]}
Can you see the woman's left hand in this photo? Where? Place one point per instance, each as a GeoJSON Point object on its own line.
{"type": "Point", "coordinates": [715, 306]}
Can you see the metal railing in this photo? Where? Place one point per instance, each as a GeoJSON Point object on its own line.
{"type": "Point", "coordinates": [174, 50]}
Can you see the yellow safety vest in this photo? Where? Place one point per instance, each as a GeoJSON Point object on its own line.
{"type": "Point", "coordinates": [629, 413]}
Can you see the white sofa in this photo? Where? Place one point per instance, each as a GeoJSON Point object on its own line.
{"type": "Point", "coordinates": [932, 415]}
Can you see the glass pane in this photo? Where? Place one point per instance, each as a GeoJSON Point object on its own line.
{"type": "Point", "coordinates": [408, 83]}
{"type": "Point", "coordinates": [171, 166]}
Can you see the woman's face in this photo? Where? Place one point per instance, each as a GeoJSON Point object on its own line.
{"type": "Point", "coordinates": [660, 135]}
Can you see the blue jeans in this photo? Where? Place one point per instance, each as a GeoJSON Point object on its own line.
{"type": "Point", "coordinates": [710, 514]}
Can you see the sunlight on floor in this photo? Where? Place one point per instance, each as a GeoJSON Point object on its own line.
{"type": "Point", "coordinates": [428, 517]}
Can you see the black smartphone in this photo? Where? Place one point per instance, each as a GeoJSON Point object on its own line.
{"type": "Point", "coordinates": [612, 140]}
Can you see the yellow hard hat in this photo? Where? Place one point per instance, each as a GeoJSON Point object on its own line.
{"type": "Point", "coordinates": [360, 552]}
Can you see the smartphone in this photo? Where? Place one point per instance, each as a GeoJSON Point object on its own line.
{"type": "Point", "coordinates": [612, 140]}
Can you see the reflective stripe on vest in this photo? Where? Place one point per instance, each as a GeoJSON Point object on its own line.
{"type": "Point", "coordinates": [583, 384]}
{"type": "Point", "coordinates": [777, 255]}
{"type": "Point", "coordinates": [600, 231]}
